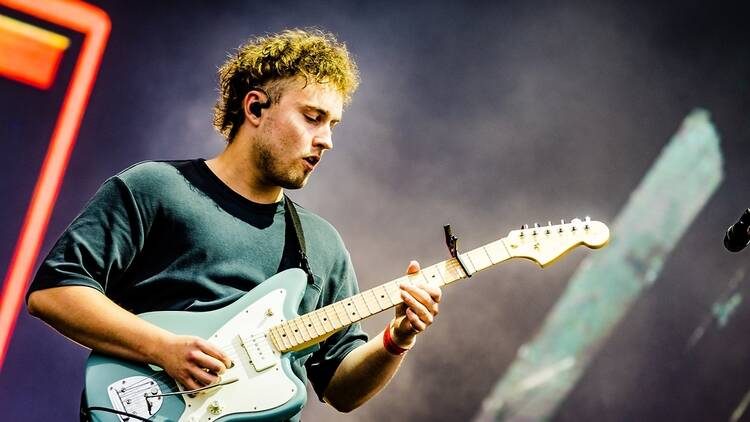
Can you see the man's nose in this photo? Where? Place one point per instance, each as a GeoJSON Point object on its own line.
{"type": "Point", "coordinates": [323, 140]}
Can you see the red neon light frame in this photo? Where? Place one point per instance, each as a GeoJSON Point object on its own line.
{"type": "Point", "coordinates": [29, 54]}
{"type": "Point", "coordinates": [95, 24]}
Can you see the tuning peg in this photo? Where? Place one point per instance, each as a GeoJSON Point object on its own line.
{"type": "Point", "coordinates": [588, 220]}
{"type": "Point", "coordinates": [536, 226]}
{"type": "Point", "coordinates": [549, 226]}
{"type": "Point", "coordinates": [562, 223]}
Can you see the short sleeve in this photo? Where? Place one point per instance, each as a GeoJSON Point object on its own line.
{"type": "Point", "coordinates": [98, 246]}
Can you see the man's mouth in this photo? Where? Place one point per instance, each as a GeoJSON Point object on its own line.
{"type": "Point", "coordinates": [312, 160]}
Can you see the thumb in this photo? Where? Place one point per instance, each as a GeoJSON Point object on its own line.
{"type": "Point", "coordinates": [413, 267]}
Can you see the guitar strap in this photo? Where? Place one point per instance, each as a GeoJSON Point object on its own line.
{"type": "Point", "coordinates": [291, 216]}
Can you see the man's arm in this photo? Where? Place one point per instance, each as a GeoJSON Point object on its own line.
{"type": "Point", "coordinates": [86, 316]}
{"type": "Point", "coordinates": [368, 368]}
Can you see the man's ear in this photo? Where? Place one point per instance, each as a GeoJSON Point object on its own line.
{"type": "Point", "coordinates": [254, 103]}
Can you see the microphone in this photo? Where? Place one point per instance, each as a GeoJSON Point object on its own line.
{"type": "Point", "coordinates": [738, 236]}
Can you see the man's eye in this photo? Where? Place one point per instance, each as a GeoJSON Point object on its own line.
{"type": "Point", "coordinates": [311, 118]}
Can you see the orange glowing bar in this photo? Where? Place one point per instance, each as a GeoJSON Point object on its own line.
{"type": "Point", "coordinates": [95, 25]}
{"type": "Point", "coordinates": [29, 54]}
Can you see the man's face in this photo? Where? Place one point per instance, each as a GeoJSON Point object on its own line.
{"type": "Point", "coordinates": [295, 133]}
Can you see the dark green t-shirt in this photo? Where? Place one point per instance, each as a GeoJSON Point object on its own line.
{"type": "Point", "coordinates": [172, 236]}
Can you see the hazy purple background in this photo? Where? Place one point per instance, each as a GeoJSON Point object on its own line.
{"type": "Point", "coordinates": [483, 115]}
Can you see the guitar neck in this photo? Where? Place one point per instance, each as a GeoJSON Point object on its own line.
{"type": "Point", "coordinates": [314, 327]}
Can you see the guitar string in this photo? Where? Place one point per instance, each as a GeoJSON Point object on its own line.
{"type": "Point", "coordinates": [135, 389]}
{"type": "Point", "coordinates": [449, 265]}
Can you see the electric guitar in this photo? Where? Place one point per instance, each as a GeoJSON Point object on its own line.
{"type": "Point", "coordinates": [263, 333]}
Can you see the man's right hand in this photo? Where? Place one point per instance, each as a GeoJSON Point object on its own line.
{"type": "Point", "coordinates": [191, 361]}
{"type": "Point", "coordinates": [92, 319]}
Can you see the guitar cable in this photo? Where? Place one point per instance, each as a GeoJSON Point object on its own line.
{"type": "Point", "coordinates": [119, 412]}
{"type": "Point", "coordinates": [176, 393]}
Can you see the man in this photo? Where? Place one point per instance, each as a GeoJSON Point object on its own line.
{"type": "Point", "coordinates": [196, 235]}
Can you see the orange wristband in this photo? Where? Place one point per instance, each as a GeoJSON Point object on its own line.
{"type": "Point", "coordinates": [390, 345]}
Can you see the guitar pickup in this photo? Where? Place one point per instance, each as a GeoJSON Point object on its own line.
{"type": "Point", "coordinates": [259, 350]}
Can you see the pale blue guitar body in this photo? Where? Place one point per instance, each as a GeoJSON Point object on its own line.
{"type": "Point", "coordinates": [265, 387]}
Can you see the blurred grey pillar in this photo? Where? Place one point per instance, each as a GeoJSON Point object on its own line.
{"type": "Point", "coordinates": [607, 282]}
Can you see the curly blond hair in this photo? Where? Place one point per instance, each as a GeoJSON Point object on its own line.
{"type": "Point", "coordinates": [266, 61]}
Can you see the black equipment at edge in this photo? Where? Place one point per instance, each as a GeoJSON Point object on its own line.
{"type": "Point", "coordinates": [737, 237]}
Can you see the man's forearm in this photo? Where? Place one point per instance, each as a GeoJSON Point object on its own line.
{"type": "Point", "coordinates": [364, 372]}
{"type": "Point", "coordinates": [88, 317]}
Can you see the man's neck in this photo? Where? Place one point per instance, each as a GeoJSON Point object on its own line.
{"type": "Point", "coordinates": [237, 172]}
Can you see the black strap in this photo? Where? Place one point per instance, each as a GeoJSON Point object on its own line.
{"type": "Point", "coordinates": [291, 214]}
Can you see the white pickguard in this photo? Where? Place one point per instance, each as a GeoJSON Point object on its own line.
{"type": "Point", "coordinates": [254, 391]}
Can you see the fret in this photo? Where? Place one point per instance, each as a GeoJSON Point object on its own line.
{"type": "Point", "coordinates": [341, 314]}
{"type": "Point", "coordinates": [317, 323]}
{"type": "Point", "coordinates": [329, 311]}
{"type": "Point", "coordinates": [394, 291]}
{"type": "Point", "coordinates": [351, 311]}
{"type": "Point", "coordinates": [275, 339]}
{"type": "Point", "coordinates": [427, 280]}
{"type": "Point", "coordinates": [359, 304]}
{"type": "Point", "coordinates": [279, 340]}
{"type": "Point", "coordinates": [368, 303]}
{"type": "Point", "coordinates": [287, 336]}
{"type": "Point", "coordinates": [487, 254]}
{"type": "Point", "coordinates": [432, 275]}
{"type": "Point", "coordinates": [497, 251]}
{"type": "Point", "coordinates": [415, 279]}
{"type": "Point", "coordinates": [440, 269]}
{"type": "Point", "coordinates": [301, 329]}
{"type": "Point", "coordinates": [453, 271]}
{"type": "Point", "coordinates": [383, 298]}
{"type": "Point", "coordinates": [298, 333]}
{"type": "Point", "coordinates": [445, 269]}
{"type": "Point", "coordinates": [307, 322]}
{"type": "Point", "coordinates": [371, 301]}
{"type": "Point", "coordinates": [479, 259]}
{"type": "Point", "coordinates": [342, 310]}
{"type": "Point", "coordinates": [470, 267]}
{"type": "Point", "coordinates": [457, 270]}
{"type": "Point", "coordinates": [284, 340]}
{"type": "Point", "coordinates": [299, 336]}
{"type": "Point", "coordinates": [311, 317]}
{"type": "Point", "coordinates": [323, 319]}
{"type": "Point", "coordinates": [376, 304]}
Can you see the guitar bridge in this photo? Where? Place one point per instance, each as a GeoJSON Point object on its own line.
{"type": "Point", "coordinates": [140, 396]}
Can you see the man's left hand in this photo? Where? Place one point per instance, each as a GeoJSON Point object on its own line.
{"type": "Point", "coordinates": [418, 310]}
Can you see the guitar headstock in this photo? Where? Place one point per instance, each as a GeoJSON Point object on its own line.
{"type": "Point", "coordinates": [544, 244]}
